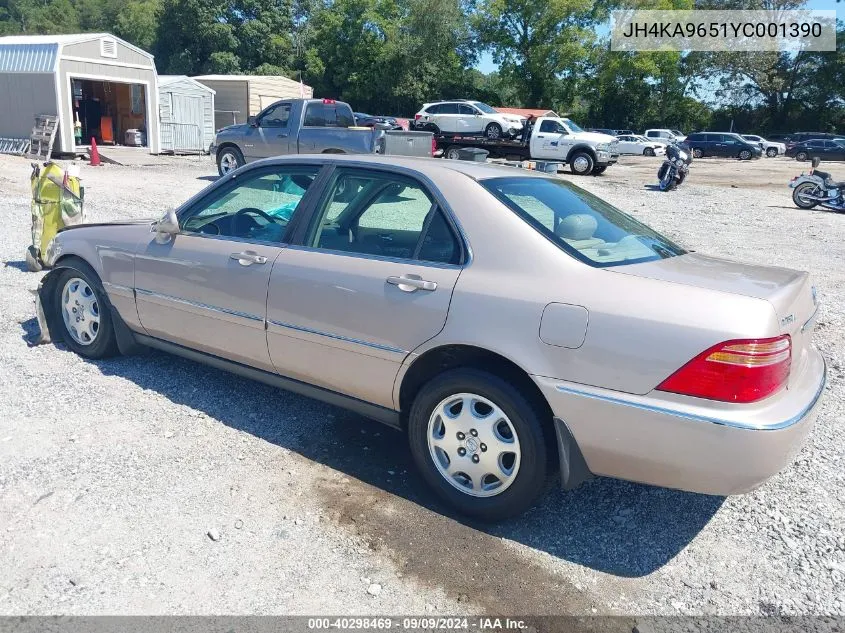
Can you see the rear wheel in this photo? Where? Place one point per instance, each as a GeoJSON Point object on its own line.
{"type": "Point", "coordinates": [771, 152]}
{"type": "Point", "coordinates": [83, 314]}
{"type": "Point", "coordinates": [800, 193]}
{"type": "Point", "coordinates": [697, 153]}
{"type": "Point", "coordinates": [478, 443]}
{"type": "Point", "coordinates": [745, 155]}
{"type": "Point", "coordinates": [648, 151]}
{"type": "Point", "coordinates": [581, 163]}
{"type": "Point", "coordinates": [228, 160]}
{"type": "Point", "coordinates": [599, 170]}
{"type": "Point", "coordinates": [453, 152]}
{"type": "Point", "coordinates": [493, 131]}
{"type": "Point", "coordinates": [802, 156]}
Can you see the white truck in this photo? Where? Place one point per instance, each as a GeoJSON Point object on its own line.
{"type": "Point", "coordinates": [552, 139]}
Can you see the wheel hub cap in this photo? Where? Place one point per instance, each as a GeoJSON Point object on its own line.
{"type": "Point", "coordinates": [473, 445]}
{"type": "Point", "coordinates": [80, 311]}
{"type": "Point", "coordinates": [228, 163]}
{"type": "Point", "coordinates": [581, 163]}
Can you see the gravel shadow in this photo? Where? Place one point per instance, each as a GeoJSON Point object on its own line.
{"type": "Point", "coordinates": [20, 265]}
{"type": "Point", "coordinates": [620, 528]}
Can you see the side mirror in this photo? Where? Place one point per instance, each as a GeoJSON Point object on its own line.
{"type": "Point", "coordinates": [167, 227]}
{"type": "Point", "coordinates": [252, 121]}
{"type": "Point", "coordinates": [816, 161]}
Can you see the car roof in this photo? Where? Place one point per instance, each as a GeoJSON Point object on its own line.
{"type": "Point", "coordinates": [426, 166]}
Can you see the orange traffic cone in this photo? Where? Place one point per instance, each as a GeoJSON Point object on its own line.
{"type": "Point", "coordinates": [95, 155]}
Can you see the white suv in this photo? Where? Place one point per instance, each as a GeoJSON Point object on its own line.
{"type": "Point", "coordinates": [461, 116]}
{"type": "Point", "coordinates": [665, 136]}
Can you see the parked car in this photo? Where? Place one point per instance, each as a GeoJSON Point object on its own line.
{"type": "Point", "coordinates": [292, 126]}
{"type": "Point", "coordinates": [722, 144]}
{"type": "Point", "coordinates": [770, 148]}
{"type": "Point", "coordinates": [825, 149]}
{"type": "Point", "coordinates": [800, 137]}
{"type": "Point", "coordinates": [376, 285]}
{"type": "Point", "coordinates": [664, 135]}
{"type": "Point", "coordinates": [625, 133]}
{"type": "Point", "coordinates": [377, 122]}
{"type": "Point", "coordinates": [633, 144]}
{"type": "Point", "coordinates": [467, 117]}
{"type": "Point", "coordinates": [603, 130]}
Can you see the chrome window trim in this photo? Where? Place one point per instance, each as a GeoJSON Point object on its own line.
{"type": "Point", "coordinates": [381, 258]}
{"type": "Point", "coordinates": [299, 328]}
{"type": "Point", "coordinates": [239, 240]}
{"type": "Point", "coordinates": [703, 418]}
{"type": "Point", "coordinates": [197, 304]}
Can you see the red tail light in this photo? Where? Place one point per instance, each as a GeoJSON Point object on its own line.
{"type": "Point", "coordinates": [417, 117]}
{"type": "Point", "coordinates": [745, 370]}
{"type": "Point", "coordinates": [433, 145]}
{"type": "Point", "coordinates": [328, 101]}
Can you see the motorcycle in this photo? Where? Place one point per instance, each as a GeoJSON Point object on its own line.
{"type": "Point", "coordinates": [817, 188]}
{"type": "Point", "coordinates": [675, 167]}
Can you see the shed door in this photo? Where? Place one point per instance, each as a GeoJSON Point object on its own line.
{"type": "Point", "coordinates": [188, 123]}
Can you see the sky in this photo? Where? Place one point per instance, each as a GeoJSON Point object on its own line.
{"type": "Point", "coordinates": [486, 65]}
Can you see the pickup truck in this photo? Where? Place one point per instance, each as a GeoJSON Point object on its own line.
{"type": "Point", "coordinates": [293, 126]}
{"type": "Point", "coordinates": [552, 139]}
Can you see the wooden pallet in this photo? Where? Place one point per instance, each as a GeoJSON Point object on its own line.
{"type": "Point", "coordinates": [43, 136]}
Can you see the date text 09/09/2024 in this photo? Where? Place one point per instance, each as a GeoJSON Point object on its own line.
{"type": "Point", "coordinates": [417, 623]}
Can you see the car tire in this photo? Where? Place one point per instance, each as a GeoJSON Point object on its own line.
{"type": "Point", "coordinates": [599, 170]}
{"type": "Point", "coordinates": [745, 155]}
{"type": "Point", "coordinates": [82, 312]}
{"type": "Point", "coordinates": [504, 418]}
{"type": "Point", "coordinates": [772, 152]}
{"type": "Point", "coordinates": [493, 131]}
{"type": "Point", "coordinates": [648, 151]}
{"type": "Point", "coordinates": [802, 156]}
{"type": "Point", "coordinates": [581, 163]}
{"type": "Point", "coordinates": [452, 152]}
{"type": "Point", "coordinates": [697, 153]}
{"type": "Point", "coordinates": [229, 159]}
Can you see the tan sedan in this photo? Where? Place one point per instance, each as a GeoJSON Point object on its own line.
{"type": "Point", "coordinates": [511, 323]}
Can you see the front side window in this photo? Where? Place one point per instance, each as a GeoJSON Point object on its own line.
{"type": "Point", "coordinates": [486, 109]}
{"type": "Point", "coordinates": [572, 125]}
{"type": "Point", "coordinates": [257, 208]}
{"type": "Point", "coordinates": [384, 215]}
{"type": "Point", "coordinates": [276, 116]}
{"type": "Point", "coordinates": [581, 224]}
{"type": "Point", "coordinates": [467, 110]}
{"type": "Point", "coordinates": [550, 126]}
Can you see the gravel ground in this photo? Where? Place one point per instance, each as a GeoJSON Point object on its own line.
{"type": "Point", "coordinates": [153, 485]}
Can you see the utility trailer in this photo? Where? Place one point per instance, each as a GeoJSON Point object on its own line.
{"type": "Point", "coordinates": [552, 139]}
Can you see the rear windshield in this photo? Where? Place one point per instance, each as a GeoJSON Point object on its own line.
{"type": "Point", "coordinates": [583, 225]}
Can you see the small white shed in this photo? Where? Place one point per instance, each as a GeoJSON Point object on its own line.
{"type": "Point", "coordinates": [186, 114]}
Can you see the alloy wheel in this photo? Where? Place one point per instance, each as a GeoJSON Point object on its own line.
{"type": "Point", "coordinates": [80, 311]}
{"type": "Point", "coordinates": [473, 445]}
{"type": "Point", "coordinates": [228, 162]}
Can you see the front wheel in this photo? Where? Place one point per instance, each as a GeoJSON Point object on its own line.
{"type": "Point", "coordinates": [581, 163]}
{"type": "Point", "coordinates": [745, 155]}
{"type": "Point", "coordinates": [802, 156]}
{"type": "Point", "coordinates": [82, 312]}
{"type": "Point", "coordinates": [228, 160]}
{"type": "Point", "coordinates": [697, 153]}
{"type": "Point", "coordinates": [479, 444]}
{"type": "Point", "coordinates": [771, 152]}
{"type": "Point", "coordinates": [493, 131]}
{"type": "Point", "coordinates": [800, 193]}
{"type": "Point", "coordinates": [648, 151]}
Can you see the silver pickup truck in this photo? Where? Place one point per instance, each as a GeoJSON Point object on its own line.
{"type": "Point", "coordinates": [294, 126]}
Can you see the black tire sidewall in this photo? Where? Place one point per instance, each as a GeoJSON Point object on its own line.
{"type": "Point", "coordinates": [697, 153]}
{"type": "Point", "coordinates": [795, 198]}
{"type": "Point", "coordinates": [449, 149]}
{"type": "Point", "coordinates": [234, 151]}
{"type": "Point", "coordinates": [105, 343]}
{"type": "Point", "coordinates": [648, 152]}
{"type": "Point", "coordinates": [771, 152]}
{"type": "Point", "coordinates": [802, 156]}
{"type": "Point", "coordinates": [491, 126]}
{"type": "Point", "coordinates": [530, 480]}
{"type": "Point", "coordinates": [745, 155]}
{"type": "Point", "coordinates": [590, 167]}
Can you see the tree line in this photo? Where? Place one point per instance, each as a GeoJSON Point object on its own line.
{"type": "Point", "coordinates": [390, 56]}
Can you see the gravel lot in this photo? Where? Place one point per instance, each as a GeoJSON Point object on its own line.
{"type": "Point", "coordinates": [153, 485]}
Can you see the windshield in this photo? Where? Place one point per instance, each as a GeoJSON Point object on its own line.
{"type": "Point", "coordinates": [486, 109]}
{"type": "Point", "coordinates": [677, 133]}
{"type": "Point", "coordinates": [583, 225]}
{"type": "Point", "coordinates": [572, 125]}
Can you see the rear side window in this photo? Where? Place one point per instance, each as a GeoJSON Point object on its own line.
{"type": "Point", "coordinates": [581, 224]}
{"type": "Point", "coordinates": [328, 115]}
{"type": "Point", "coordinates": [696, 137]}
{"type": "Point", "coordinates": [448, 108]}
{"type": "Point", "coordinates": [433, 109]}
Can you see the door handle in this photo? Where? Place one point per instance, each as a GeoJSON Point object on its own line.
{"type": "Point", "coordinates": [540, 136]}
{"type": "Point", "coordinates": [247, 258]}
{"type": "Point", "coordinates": [406, 283]}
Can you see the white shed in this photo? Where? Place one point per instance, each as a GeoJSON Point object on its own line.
{"type": "Point", "coordinates": [186, 114]}
{"type": "Point", "coordinates": [106, 84]}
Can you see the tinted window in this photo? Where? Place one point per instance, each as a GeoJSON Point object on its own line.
{"type": "Point", "coordinates": [385, 215]}
{"type": "Point", "coordinates": [328, 115]}
{"type": "Point", "coordinates": [552, 127]}
{"type": "Point", "coordinates": [652, 134]}
{"type": "Point", "coordinates": [276, 116]}
{"type": "Point", "coordinates": [583, 225]}
{"type": "Point", "coordinates": [434, 109]}
{"type": "Point", "coordinates": [257, 208]}
{"type": "Point", "coordinates": [465, 109]}
{"type": "Point", "coordinates": [697, 137]}
{"type": "Point", "coordinates": [815, 143]}
{"type": "Point", "coordinates": [448, 108]}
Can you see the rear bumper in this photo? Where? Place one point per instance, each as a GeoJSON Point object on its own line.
{"type": "Point", "coordinates": [677, 442]}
